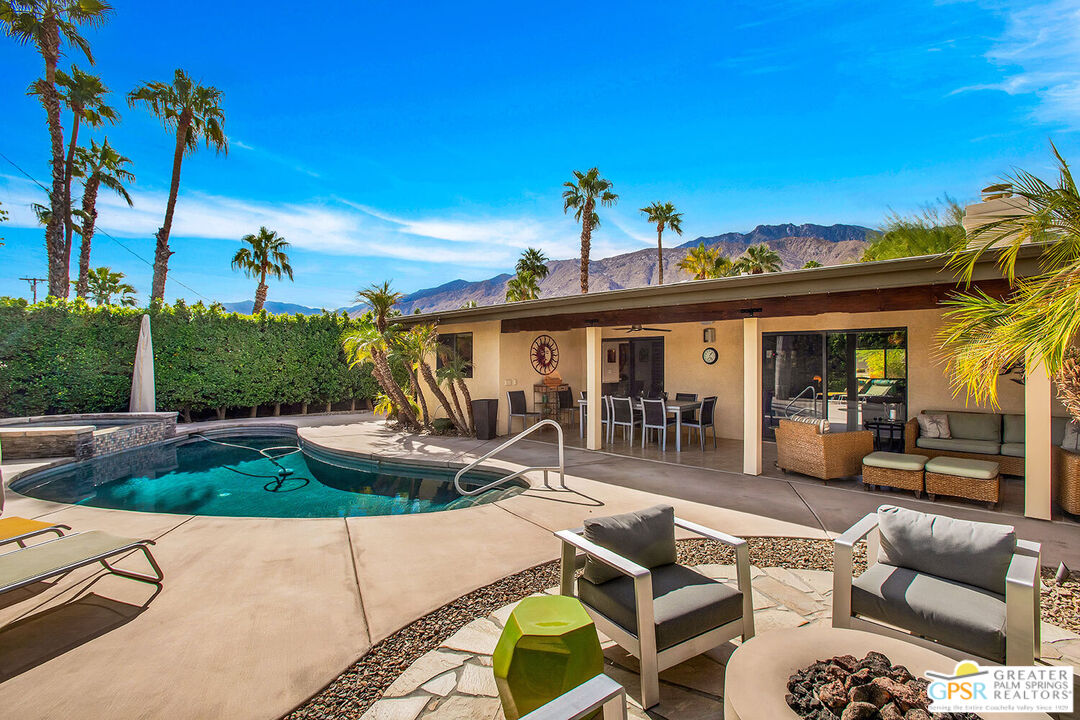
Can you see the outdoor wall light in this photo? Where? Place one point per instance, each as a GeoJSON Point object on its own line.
{"type": "Point", "coordinates": [709, 335]}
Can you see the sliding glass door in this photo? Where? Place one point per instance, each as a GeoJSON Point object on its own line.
{"type": "Point", "coordinates": [846, 377]}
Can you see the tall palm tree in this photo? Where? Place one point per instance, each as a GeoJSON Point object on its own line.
{"type": "Point", "coordinates": [372, 342]}
{"type": "Point", "coordinates": [758, 259]}
{"type": "Point", "coordinates": [533, 261]}
{"type": "Point", "coordinates": [266, 256]}
{"type": "Point", "coordinates": [99, 166]}
{"type": "Point", "coordinates": [47, 24]}
{"type": "Point", "coordinates": [523, 286]}
{"type": "Point", "coordinates": [662, 215]}
{"type": "Point", "coordinates": [581, 194]}
{"type": "Point", "coordinates": [194, 113]}
{"type": "Point", "coordinates": [810, 264]}
{"type": "Point", "coordinates": [84, 94]}
{"type": "Point", "coordinates": [454, 370]}
{"type": "Point", "coordinates": [705, 263]}
{"type": "Point", "coordinates": [1038, 319]}
{"type": "Point", "coordinates": [409, 347]}
{"type": "Point", "coordinates": [104, 283]}
{"type": "Point", "coordinates": [426, 338]}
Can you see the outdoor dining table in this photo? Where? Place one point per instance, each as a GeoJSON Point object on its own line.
{"type": "Point", "coordinates": [677, 407]}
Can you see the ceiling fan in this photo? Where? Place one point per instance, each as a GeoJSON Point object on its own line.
{"type": "Point", "coordinates": [639, 328]}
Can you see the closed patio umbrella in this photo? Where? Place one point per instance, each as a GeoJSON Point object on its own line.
{"type": "Point", "coordinates": [142, 379]}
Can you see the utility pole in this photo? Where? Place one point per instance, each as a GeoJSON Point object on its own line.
{"type": "Point", "coordinates": [33, 285]}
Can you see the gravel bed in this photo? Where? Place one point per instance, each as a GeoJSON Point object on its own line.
{"type": "Point", "coordinates": [356, 689]}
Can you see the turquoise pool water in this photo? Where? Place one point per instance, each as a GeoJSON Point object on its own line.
{"type": "Point", "coordinates": [254, 474]}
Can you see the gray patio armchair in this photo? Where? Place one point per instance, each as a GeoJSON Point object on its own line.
{"type": "Point", "coordinates": [959, 587]}
{"type": "Point", "coordinates": [638, 595]}
{"type": "Point", "coordinates": [518, 408]}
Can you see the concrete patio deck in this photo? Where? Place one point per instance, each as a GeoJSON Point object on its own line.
{"type": "Point", "coordinates": [257, 614]}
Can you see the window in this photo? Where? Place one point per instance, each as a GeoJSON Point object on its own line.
{"type": "Point", "coordinates": [456, 345]}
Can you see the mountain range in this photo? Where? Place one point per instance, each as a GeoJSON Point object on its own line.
{"type": "Point", "coordinates": [796, 245]}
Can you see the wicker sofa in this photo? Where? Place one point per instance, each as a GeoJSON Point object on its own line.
{"type": "Point", "coordinates": [1067, 479]}
{"type": "Point", "coordinates": [980, 436]}
{"type": "Point", "coordinates": [801, 447]}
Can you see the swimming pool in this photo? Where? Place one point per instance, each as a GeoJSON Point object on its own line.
{"type": "Point", "coordinates": [257, 472]}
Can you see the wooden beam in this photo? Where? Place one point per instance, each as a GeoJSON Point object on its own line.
{"type": "Point", "coordinates": [918, 297]}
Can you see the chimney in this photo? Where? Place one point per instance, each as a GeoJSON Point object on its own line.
{"type": "Point", "coordinates": [998, 202]}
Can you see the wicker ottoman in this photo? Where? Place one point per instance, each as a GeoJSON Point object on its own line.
{"type": "Point", "coordinates": [895, 470]}
{"type": "Point", "coordinates": [964, 478]}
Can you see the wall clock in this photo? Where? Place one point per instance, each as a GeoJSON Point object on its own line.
{"type": "Point", "coordinates": [709, 355]}
{"type": "Point", "coordinates": [544, 354]}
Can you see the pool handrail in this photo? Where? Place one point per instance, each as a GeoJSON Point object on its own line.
{"type": "Point", "coordinates": [546, 468]}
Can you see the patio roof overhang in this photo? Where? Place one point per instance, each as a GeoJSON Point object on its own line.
{"type": "Point", "coordinates": [904, 284]}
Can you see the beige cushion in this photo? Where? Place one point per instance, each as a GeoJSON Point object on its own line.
{"type": "Point", "coordinates": [963, 467]}
{"type": "Point", "coordinates": [895, 461]}
{"type": "Point", "coordinates": [934, 426]}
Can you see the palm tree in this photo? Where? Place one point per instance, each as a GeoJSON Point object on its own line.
{"type": "Point", "coordinates": [46, 24]}
{"type": "Point", "coordinates": [265, 257]}
{"type": "Point", "coordinates": [582, 196]}
{"type": "Point", "coordinates": [3, 218]}
{"type": "Point", "coordinates": [104, 283]}
{"type": "Point", "coordinates": [662, 215]}
{"type": "Point", "coordinates": [83, 93]}
{"type": "Point", "coordinates": [468, 305]}
{"type": "Point", "coordinates": [1038, 319]}
{"type": "Point", "coordinates": [194, 112]}
{"type": "Point", "coordinates": [426, 338]}
{"type": "Point", "coordinates": [372, 342]}
{"type": "Point", "coordinates": [705, 263]}
{"type": "Point", "coordinates": [409, 347]}
{"type": "Point", "coordinates": [99, 166]}
{"type": "Point", "coordinates": [453, 372]}
{"type": "Point", "coordinates": [533, 261]}
{"type": "Point", "coordinates": [811, 264]}
{"type": "Point", "coordinates": [523, 286]}
{"type": "Point", "coordinates": [758, 259]}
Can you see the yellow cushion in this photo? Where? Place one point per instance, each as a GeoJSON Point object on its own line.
{"type": "Point", "coordinates": [15, 526]}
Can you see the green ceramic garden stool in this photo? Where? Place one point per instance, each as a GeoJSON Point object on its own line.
{"type": "Point", "coordinates": [548, 647]}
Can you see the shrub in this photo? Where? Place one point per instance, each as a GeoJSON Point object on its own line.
{"type": "Point", "coordinates": [65, 356]}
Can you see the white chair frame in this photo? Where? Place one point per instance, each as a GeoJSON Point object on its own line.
{"type": "Point", "coordinates": [643, 645]}
{"type": "Point", "coordinates": [1023, 633]}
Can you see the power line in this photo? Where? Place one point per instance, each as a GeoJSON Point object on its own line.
{"type": "Point", "coordinates": [99, 231]}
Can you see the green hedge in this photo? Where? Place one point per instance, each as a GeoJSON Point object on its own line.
{"type": "Point", "coordinates": [64, 357]}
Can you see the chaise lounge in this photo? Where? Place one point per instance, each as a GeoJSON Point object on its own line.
{"type": "Point", "coordinates": [52, 558]}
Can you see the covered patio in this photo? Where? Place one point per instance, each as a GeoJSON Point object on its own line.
{"type": "Point", "coordinates": [851, 345]}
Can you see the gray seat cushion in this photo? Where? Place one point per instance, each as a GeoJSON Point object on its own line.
{"type": "Point", "coordinates": [964, 467]}
{"type": "Point", "coordinates": [972, 553]}
{"type": "Point", "coordinates": [986, 447]}
{"type": "Point", "coordinates": [646, 537]}
{"type": "Point", "coordinates": [895, 461]}
{"type": "Point", "coordinates": [685, 603]}
{"type": "Point", "coordinates": [960, 616]}
{"type": "Point", "coordinates": [1012, 449]}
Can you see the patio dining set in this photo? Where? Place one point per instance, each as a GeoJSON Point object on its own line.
{"type": "Point", "coordinates": [631, 415]}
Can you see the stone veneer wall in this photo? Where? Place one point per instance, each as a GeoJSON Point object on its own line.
{"type": "Point", "coordinates": [126, 437]}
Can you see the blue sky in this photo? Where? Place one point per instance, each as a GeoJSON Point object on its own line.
{"type": "Point", "coordinates": [426, 142]}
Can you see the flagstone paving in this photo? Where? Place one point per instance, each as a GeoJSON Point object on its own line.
{"type": "Point", "coordinates": [456, 679]}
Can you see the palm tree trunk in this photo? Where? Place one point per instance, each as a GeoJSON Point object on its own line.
{"type": "Point", "coordinates": [393, 390]}
{"type": "Point", "coordinates": [260, 298]}
{"type": "Point", "coordinates": [468, 404]}
{"type": "Point", "coordinates": [162, 253]}
{"type": "Point", "coordinates": [429, 378]}
{"type": "Point", "coordinates": [49, 45]}
{"type": "Point", "coordinates": [457, 405]}
{"type": "Point", "coordinates": [69, 166]}
{"type": "Point", "coordinates": [660, 254]}
{"type": "Point", "coordinates": [586, 244]}
{"type": "Point", "coordinates": [89, 206]}
{"type": "Point", "coordinates": [414, 382]}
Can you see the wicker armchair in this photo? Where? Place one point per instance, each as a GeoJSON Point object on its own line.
{"type": "Point", "coordinates": [1067, 479]}
{"type": "Point", "coordinates": [803, 448]}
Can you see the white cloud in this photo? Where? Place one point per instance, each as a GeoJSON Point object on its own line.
{"type": "Point", "coordinates": [1039, 55]}
{"type": "Point", "coordinates": [338, 227]}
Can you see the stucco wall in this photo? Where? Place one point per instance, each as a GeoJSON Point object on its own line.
{"type": "Point", "coordinates": [501, 362]}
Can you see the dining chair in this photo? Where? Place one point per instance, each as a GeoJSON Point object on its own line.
{"type": "Point", "coordinates": [583, 413]}
{"type": "Point", "coordinates": [708, 405]}
{"type": "Point", "coordinates": [624, 416]}
{"type": "Point", "coordinates": [655, 417]}
{"type": "Point", "coordinates": [566, 403]}
{"type": "Point", "coordinates": [518, 408]}
{"type": "Point", "coordinates": [688, 414]}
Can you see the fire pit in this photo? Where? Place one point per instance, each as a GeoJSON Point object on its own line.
{"type": "Point", "coordinates": [872, 688]}
{"type": "Point", "coordinates": [757, 674]}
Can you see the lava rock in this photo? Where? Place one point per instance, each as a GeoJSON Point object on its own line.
{"type": "Point", "coordinates": [859, 711]}
{"type": "Point", "coordinates": [859, 677]}
{"type": "Point", "coordinates": [849, 663]}
{"type": "Point", "coordinates": [889, 711]}
{"type": "Point", "coordinates": [871, 693]}
{"type": "Point", "coordinates": [833, 696]}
